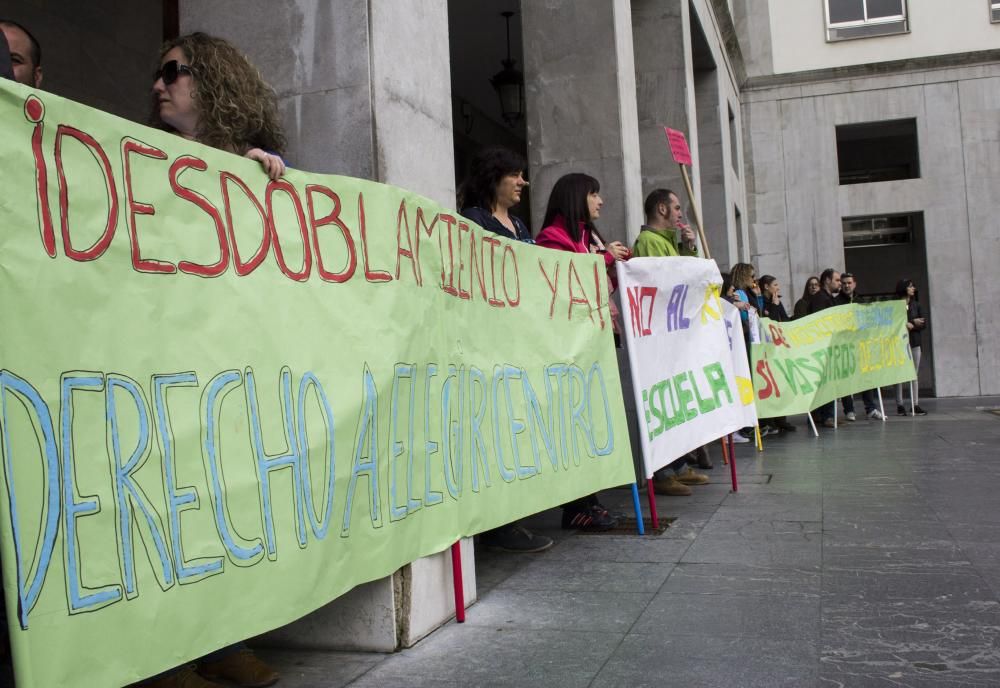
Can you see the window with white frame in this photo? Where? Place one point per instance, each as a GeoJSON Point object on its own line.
{"type": "Point", "coordinates": [994, 11]}
{"type": "Point", "coordinates": [846, 19]}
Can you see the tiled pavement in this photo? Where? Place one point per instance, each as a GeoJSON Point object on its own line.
{"type": "Point", "coordinates": [867, 557]}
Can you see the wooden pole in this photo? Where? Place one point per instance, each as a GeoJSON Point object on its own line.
{"type": "Point", "coordinates": [694, 213]}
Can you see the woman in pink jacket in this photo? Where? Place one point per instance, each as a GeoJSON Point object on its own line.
{"type": "Point", "coordinates": [573, 206]}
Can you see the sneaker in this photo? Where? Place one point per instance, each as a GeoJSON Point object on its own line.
{"type": "Point", "coordinates": [242, 668]}
{"type": "Point", "coordinates": [874, 414]}
{"type": "Point", "coordinates": [515, 538]}
{"type": "Point", "coordinates": [605, 511]}
{"type": "Point", "coordinates": [671, 487]}
{"type": "Point", "coordinates": [690, 477]}
{"type": "Point", "coordinates": [184, 677]}
{"type": "Point", "coordinates": [901, 410]}
{"type": "Point", "coordinates": [594, 518]}
{"type": "Point", "coordinates": [740, 438]}
{"type": "Point", "coordinates": [783, 424]}
{"type": "Point", "coordinates": [917, 411]}
{"type": "Point", "coordinates": [828, 423]}
{"type": "Point", "coordinates": [850, 415]}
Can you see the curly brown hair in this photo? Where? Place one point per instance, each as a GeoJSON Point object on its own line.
{"type": "Point", "coordinates": [742, 276]}
{"type": "Point", "coordinates": [237, 110]}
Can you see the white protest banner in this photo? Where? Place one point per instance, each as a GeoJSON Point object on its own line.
{"type": "Point", "coordinates": [682, 364]}
{"type": "Point", "coordinates": [741, 364]}
{"type": "Point", "coordinates": [753, 321]}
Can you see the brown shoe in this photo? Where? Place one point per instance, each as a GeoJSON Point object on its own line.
{"type": "Point", "coordinates": [184, 677]}
{"type": "Point", "coordinates": [690, 477]}
{"type": "Point", "coordinates": [242, 668]}
{"type": "Point", "coordinates": [670, 487]}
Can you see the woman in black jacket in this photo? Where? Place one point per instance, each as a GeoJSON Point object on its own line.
{"type": "Point", "coordinates": [801, 309]}
{"type": "Point", "coordinates": [770, 292]}
{"type": "Point", "coordinates": [916, 322]}
{"type": "Point", "coordinates": [771, 307]}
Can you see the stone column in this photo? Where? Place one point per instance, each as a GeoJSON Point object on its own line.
{"type": "Point", "coordinates": [365, 91]}
{"type": "Point", "coordinates": [663, 88]}
{"type": "Point", "coordinates": [678, 86]}
{"type": "Point", "coordinates": [581, 105]}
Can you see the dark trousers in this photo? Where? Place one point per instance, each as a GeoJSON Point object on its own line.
{"type": "Point", "coordinates": [868, 397]}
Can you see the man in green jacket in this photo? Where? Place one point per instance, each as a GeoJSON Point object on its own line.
{"type": "Point", "coordinates": [665, 234]}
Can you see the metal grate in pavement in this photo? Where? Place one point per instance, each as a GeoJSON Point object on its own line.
{"type": "Point", "coordinates": [627, 525]}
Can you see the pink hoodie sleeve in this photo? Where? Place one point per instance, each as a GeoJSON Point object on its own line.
{"type": "Point", "coordinates": [554, 237]}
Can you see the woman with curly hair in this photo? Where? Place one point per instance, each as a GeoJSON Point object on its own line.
{"type": "Point", "coordinates": [207, 91]}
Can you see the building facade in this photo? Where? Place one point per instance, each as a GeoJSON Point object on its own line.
{"type": "Point", "coordinates": [872, 132]}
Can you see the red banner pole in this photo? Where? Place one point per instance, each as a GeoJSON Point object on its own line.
{"type": "Point", "coordinates": [732, 463]}
{"type": "Point", "coordinates": [652, 503]}
{"type": "Point", "coordinates": [456, 573]}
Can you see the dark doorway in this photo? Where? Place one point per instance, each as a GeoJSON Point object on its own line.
{"type": "Point", "coordinates": [477, 37]}
{"type": "Point", "coordinates": [881, 250]}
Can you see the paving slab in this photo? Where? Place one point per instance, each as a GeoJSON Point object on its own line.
{"type": "Point", "coordinates": [869, 556]}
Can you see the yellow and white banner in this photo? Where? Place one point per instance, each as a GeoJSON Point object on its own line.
{"type": "Point", "coordinates": [741, 361]}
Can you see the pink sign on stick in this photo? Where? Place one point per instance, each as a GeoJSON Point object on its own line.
{"type": "Point", "coordinates": [678, 146]}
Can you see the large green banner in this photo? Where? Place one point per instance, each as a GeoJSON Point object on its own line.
{"type": "Point", "coordinates": [228, 400]}
{"type": "Point", "coordinates": [805, 363]}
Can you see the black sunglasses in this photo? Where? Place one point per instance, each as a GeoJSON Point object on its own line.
{"type": "Point", "coordinates": [170, 71]}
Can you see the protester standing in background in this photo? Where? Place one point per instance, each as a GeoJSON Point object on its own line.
{"type": "Point", "coordinates": [829, 284]}
{"type": "Point", "coordinates": [825, 297]}
{"type": "Point", "coordinates": [25, 53]}
{"type": "Point", "coordinates": [770, 290]}
{"type": "Point", "coordinates": [915, 324]}
{"type": "Point", "coordinates": [665, 235]}
{"type": "Point", "coordinates": [492, 187]}
{"type": "Point", "coordinates": [772, 308]}
{"type": "Point", "coordinates": [849, 294]}
{"type": "Point", "coordinates": [205, 90]}
{"type": "Point", "coordinates": [801, 308]}
{"type": "Point", "coordinates": [574, 204]}
{"type": "Point", "coordinates": [746, 297]}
